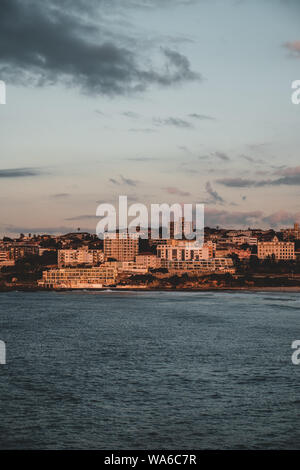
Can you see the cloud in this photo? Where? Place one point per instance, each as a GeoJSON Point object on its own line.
{"type": "Point", "coordinates": [258, 146]}
{"type": "Point", "coordinates": [97, 111]}
{"type": "Point", "coordinates": [172, 121]}
{"type": "Point", "coordinates": [128, 181]}
{"type": "Point", "coordinates": [142, 159]}
{"type": "Point", "coordinates": [223, 218]}
{"type": "Point", "coordinates": [156, 3]}
{"type": "Point", "coordinates": [236, 182]}
{"type": "Point", "coordinates": [146, 130]}
{"type": "Point", "coordinates": [203, 157]}
{"type": "Point", "coordinates": [293, 47]}
{"type": "Point", "coordinates": [214, 196]}
{"type": "Point", "coordinates": [19, 172]}
{"type": "Point", "coordinates": [201, 117]}
{"type": "Point", "coordinates": [222, 156]}
{"type": "Point", "coordinates": [252, 160]}
{"type": "Point", "coordinates": [75, 44]}
{"type": "Point", "coordinates": [60, 195]}
{"type": "Point", "coordinates": [131, 114]}
{"type": "Point", "coordinates": [289, 171]}
{"type": "Point", "coordinates": [176, 191]}
{"type": "Point", "coordinates": [292, 180]}
{"type": "Point", "coordinates": [282, 218]}
{"type": "Point", "coordinates": [289, 177]}
{"type": "Point", "coordinates": [113, 181]}
{"type": "Point", "coordinates": [123, 180]}
{"type": "Point", "coordinates": [185, 149]}
{"type": "Point", "coordinates": [180, 69]}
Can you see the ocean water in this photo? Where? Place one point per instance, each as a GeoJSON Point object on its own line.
{"type": "Point", "coordinates": [155, 370]}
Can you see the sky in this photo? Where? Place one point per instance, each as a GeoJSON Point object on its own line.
{"type": "Point", "coordinates": [165, 101]}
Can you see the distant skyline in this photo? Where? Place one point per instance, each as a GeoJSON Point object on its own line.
{"type": "Point", "coordinates": [170, 101]}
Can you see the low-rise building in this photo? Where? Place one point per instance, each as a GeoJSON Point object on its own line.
{"type": "Point", "coordinates": [81, 256]}
{"type": "Point", "coordinates": [226, 252]}
{"type": "Point", "coordinates": [275, 248]}
{"type": "Point", "coordinates": [5, 259]}
{"type": "Point", "coordinates": [130, 267]}
{"type": "Point", "coordinates": [185, 251]}
{"type": "Point", "coordinates": [242, 240]}
{"type": "Point", "coordinates": [148, 260]}
{"type": "Point", "coordinates": [18, 251]}
{"type": "Point", "coordinates": [79, 278]}
{"type": "Point", "coordinates": [222, 265]}
{"type": "Point", "coordinates": [291, 233]}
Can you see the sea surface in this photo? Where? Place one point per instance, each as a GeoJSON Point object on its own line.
{"type": "Point", "coordinates": [151, 370]}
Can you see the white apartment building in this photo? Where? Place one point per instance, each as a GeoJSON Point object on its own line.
{"type": "Point", "coordinates": [280, 250]}
{"type": "Point", "coordinates": [223, 265]}
{"type": "Point", "coordinates": [79, 278]}
{"type": "Point", "coordinates": [128, 267]}
{"type": "Point", "coordinates": [80, 256]}
{"type": "Point", "coordinates": [240, 240]}
{"type": "Point", "coordinates": [185, 251]}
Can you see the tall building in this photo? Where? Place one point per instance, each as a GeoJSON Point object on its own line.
{"type": "Point", "coordinates": [224, 265]}
{"type": "Point", "coordinates": [121, 248]}
{"type": "Point", "coordinates": [275, 248]}
{"type": "Point", "coordinates": [180, 228]}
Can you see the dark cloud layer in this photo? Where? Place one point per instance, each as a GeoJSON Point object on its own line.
{"type": "Point", "coordinates": [45, 43]}
{"type": "Point", "coordinates": [224, 218]}
{"type": "Point", "coordinates": [19, 172]}
{"type": "Point", "coordinates": [124, 180]}
{"type": "Point", "coordinates": [289, 177]}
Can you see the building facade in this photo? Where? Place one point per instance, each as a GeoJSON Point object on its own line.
{"type": "Point", "coordinates": [80, 256]}
{"type": "Point", "coordinates": [5, 259]}
{"type": "Point", "coordinates": [79, 278]}
{"type": "Point", "coordinates": [148, 260]}
{"type": "Point", "coordinates": [291, 233]}
{"type": "Point", "coordinates": [185, 251]}
{"type": "Point", "coordinates": [222, 265]}
{"type": "Point", "coordinates": [275, 248]}
{"type": "Point", "coordinates": [121, 248]}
